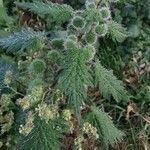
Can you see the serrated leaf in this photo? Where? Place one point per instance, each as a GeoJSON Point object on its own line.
{"type": "Point", "coordinates": [44, 136]}
{"type": "Point", "coordinates": [56, 12]}
{"type": "Point", "coordinates": [19, 41]}
{"type": "Point", "coordinates": [4, 18]}
{"type": "Point", "coordinates": [75, 78]}
{"type": "Point", "coordinates": [108, 133]}
{"type": "Point", "coordinates": [117, 32]}
{"type": "Point", "coordinates": [108, 84]}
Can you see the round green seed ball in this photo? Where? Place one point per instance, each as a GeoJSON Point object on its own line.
{"type": "Point", "coordinates": [90, 5]}
{"type": "Point", "coordinates": [37, 66]}
{"type": "Point", "coordinates": [57, 44]}
{"type": "Point", "coordinates": [90, 37]}
{"type": "Point", "coordinates": [101, 29]}
{"type": "Point", "coordinates": [105, 13]}
{"type": "Point", "coordinates": [70, 44]}
{"type": "Point", "coordinates": [53, 56]}
{"type": "Point", "coordinates": [90, 52]}
{"type": "Point", "coordinates": [78, 22]}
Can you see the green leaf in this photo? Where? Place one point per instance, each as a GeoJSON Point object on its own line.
{"type": "Point", "coordinates": [19, 41]}
{"type": "Point", "coordinates": [117, 32]}
{"type": "Point", "coordinates": [4, 18]}
{"type": "Point", "coordinates": [134, 30]}
{"type": "Point", "coordinates": [44, 136]}
{"type": "Point", "coordinates": [75, 78]}
{"type": "Point", "coordinates": [108, 133]}
{"type": "Point", "coordinates": [108, 84]}
{"type": "Point", "coordinates": [58, 13]}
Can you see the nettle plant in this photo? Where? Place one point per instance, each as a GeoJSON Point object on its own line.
{"type": "Point", "coordinates": [56, 68]}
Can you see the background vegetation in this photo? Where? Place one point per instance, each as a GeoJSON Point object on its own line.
{"type": "Point", "coordinates": [42, 107]}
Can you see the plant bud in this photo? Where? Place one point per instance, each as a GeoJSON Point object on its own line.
{"type": "Point", "coordinates": [78, 22]}
{"type": "Point", "coordinates": [90, 52]}
{"type": "Point", "coordinates": [53, 56]}
{"type": "Point", "coordinates": [101, 29]}
{"type": "Point", "coordinates": [37, 66]}
{"type": "Point", "coordinates": [57, 44]}
{"type": "Point", "coordinates": [105, 13]}
{"type": "Point", "coordinates": [70, 44]}
{"type": "Point", "coordinates": [91, 37]}
{"type": "Point", "coordinates": [90, 5]}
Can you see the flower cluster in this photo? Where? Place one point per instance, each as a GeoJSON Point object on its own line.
{"type": "Point", "coordinates": [31, 99]}
{"type": "Point", "coordinates": [47, 112]}
{"type": "Point", "coordinates": [4, 103]}
{"type": "Point", "coordinates": [67, 114]}
{"type": "Point", "coordinates": [78, 142]}
{"type": "Point", "coordinates": [24, 103]}
{"type": "Point", "coordinates": [7, 122]}
{"type": "Point", "coordinates": [36, 94]}
{"type": "Point", "coordinates": [87, 26]}
{"type": "Point", "coordinates": [8, 77]}
{"type": "Point", "coordinates": [6, 115]}
{"type": "Point", "coordinates": [90, 130]}
{"type": "Point", "coordinates": [58, 96]}
{"type": "Point", "coordinates": [29, 124]}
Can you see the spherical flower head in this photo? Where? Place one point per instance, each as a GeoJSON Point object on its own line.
{"type": "Point", "coordinates": [57, 43]}
{"type": "Point", "coordinates": [91, 37]}
{"type": "Point", "coordinates": [105, 13]}
{"type": "Point", "coordinates": [78, 22]}
{"type": "Point", "coordinates": [90, 52]}
{"type": "Point", "coordinates": [53, 56]}
{"type": "Point", "coordinates": [70, 44]}
{"type": "Point", "coordinates": [101, 29]}
{"type": "Point", "coordinates": [90, 5]}
{"type": "Point", "coordinates": [37, 66]}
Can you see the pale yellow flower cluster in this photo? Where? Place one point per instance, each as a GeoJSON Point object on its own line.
{"type": "Point", "coordinates": [24, 103]}
{"type": "Point", "coordinates": [67, 114]}
{"type": "Point", "coordinates": [47, 112]}
{"type": "Point", "coordinates": [8, 77]}
{"type": "Point", "coordinates": [29, 125]}
{"type": "Point", "coordinates": [78, 142]}
{"type": "Point", "coordinates": [90, 130]}
{"type": "Point", "coordinates": [31, 99]}
{"type": "Point", "coordinates": [7, 121]}
{"type": "Point", "coordinates": [58, 96]}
